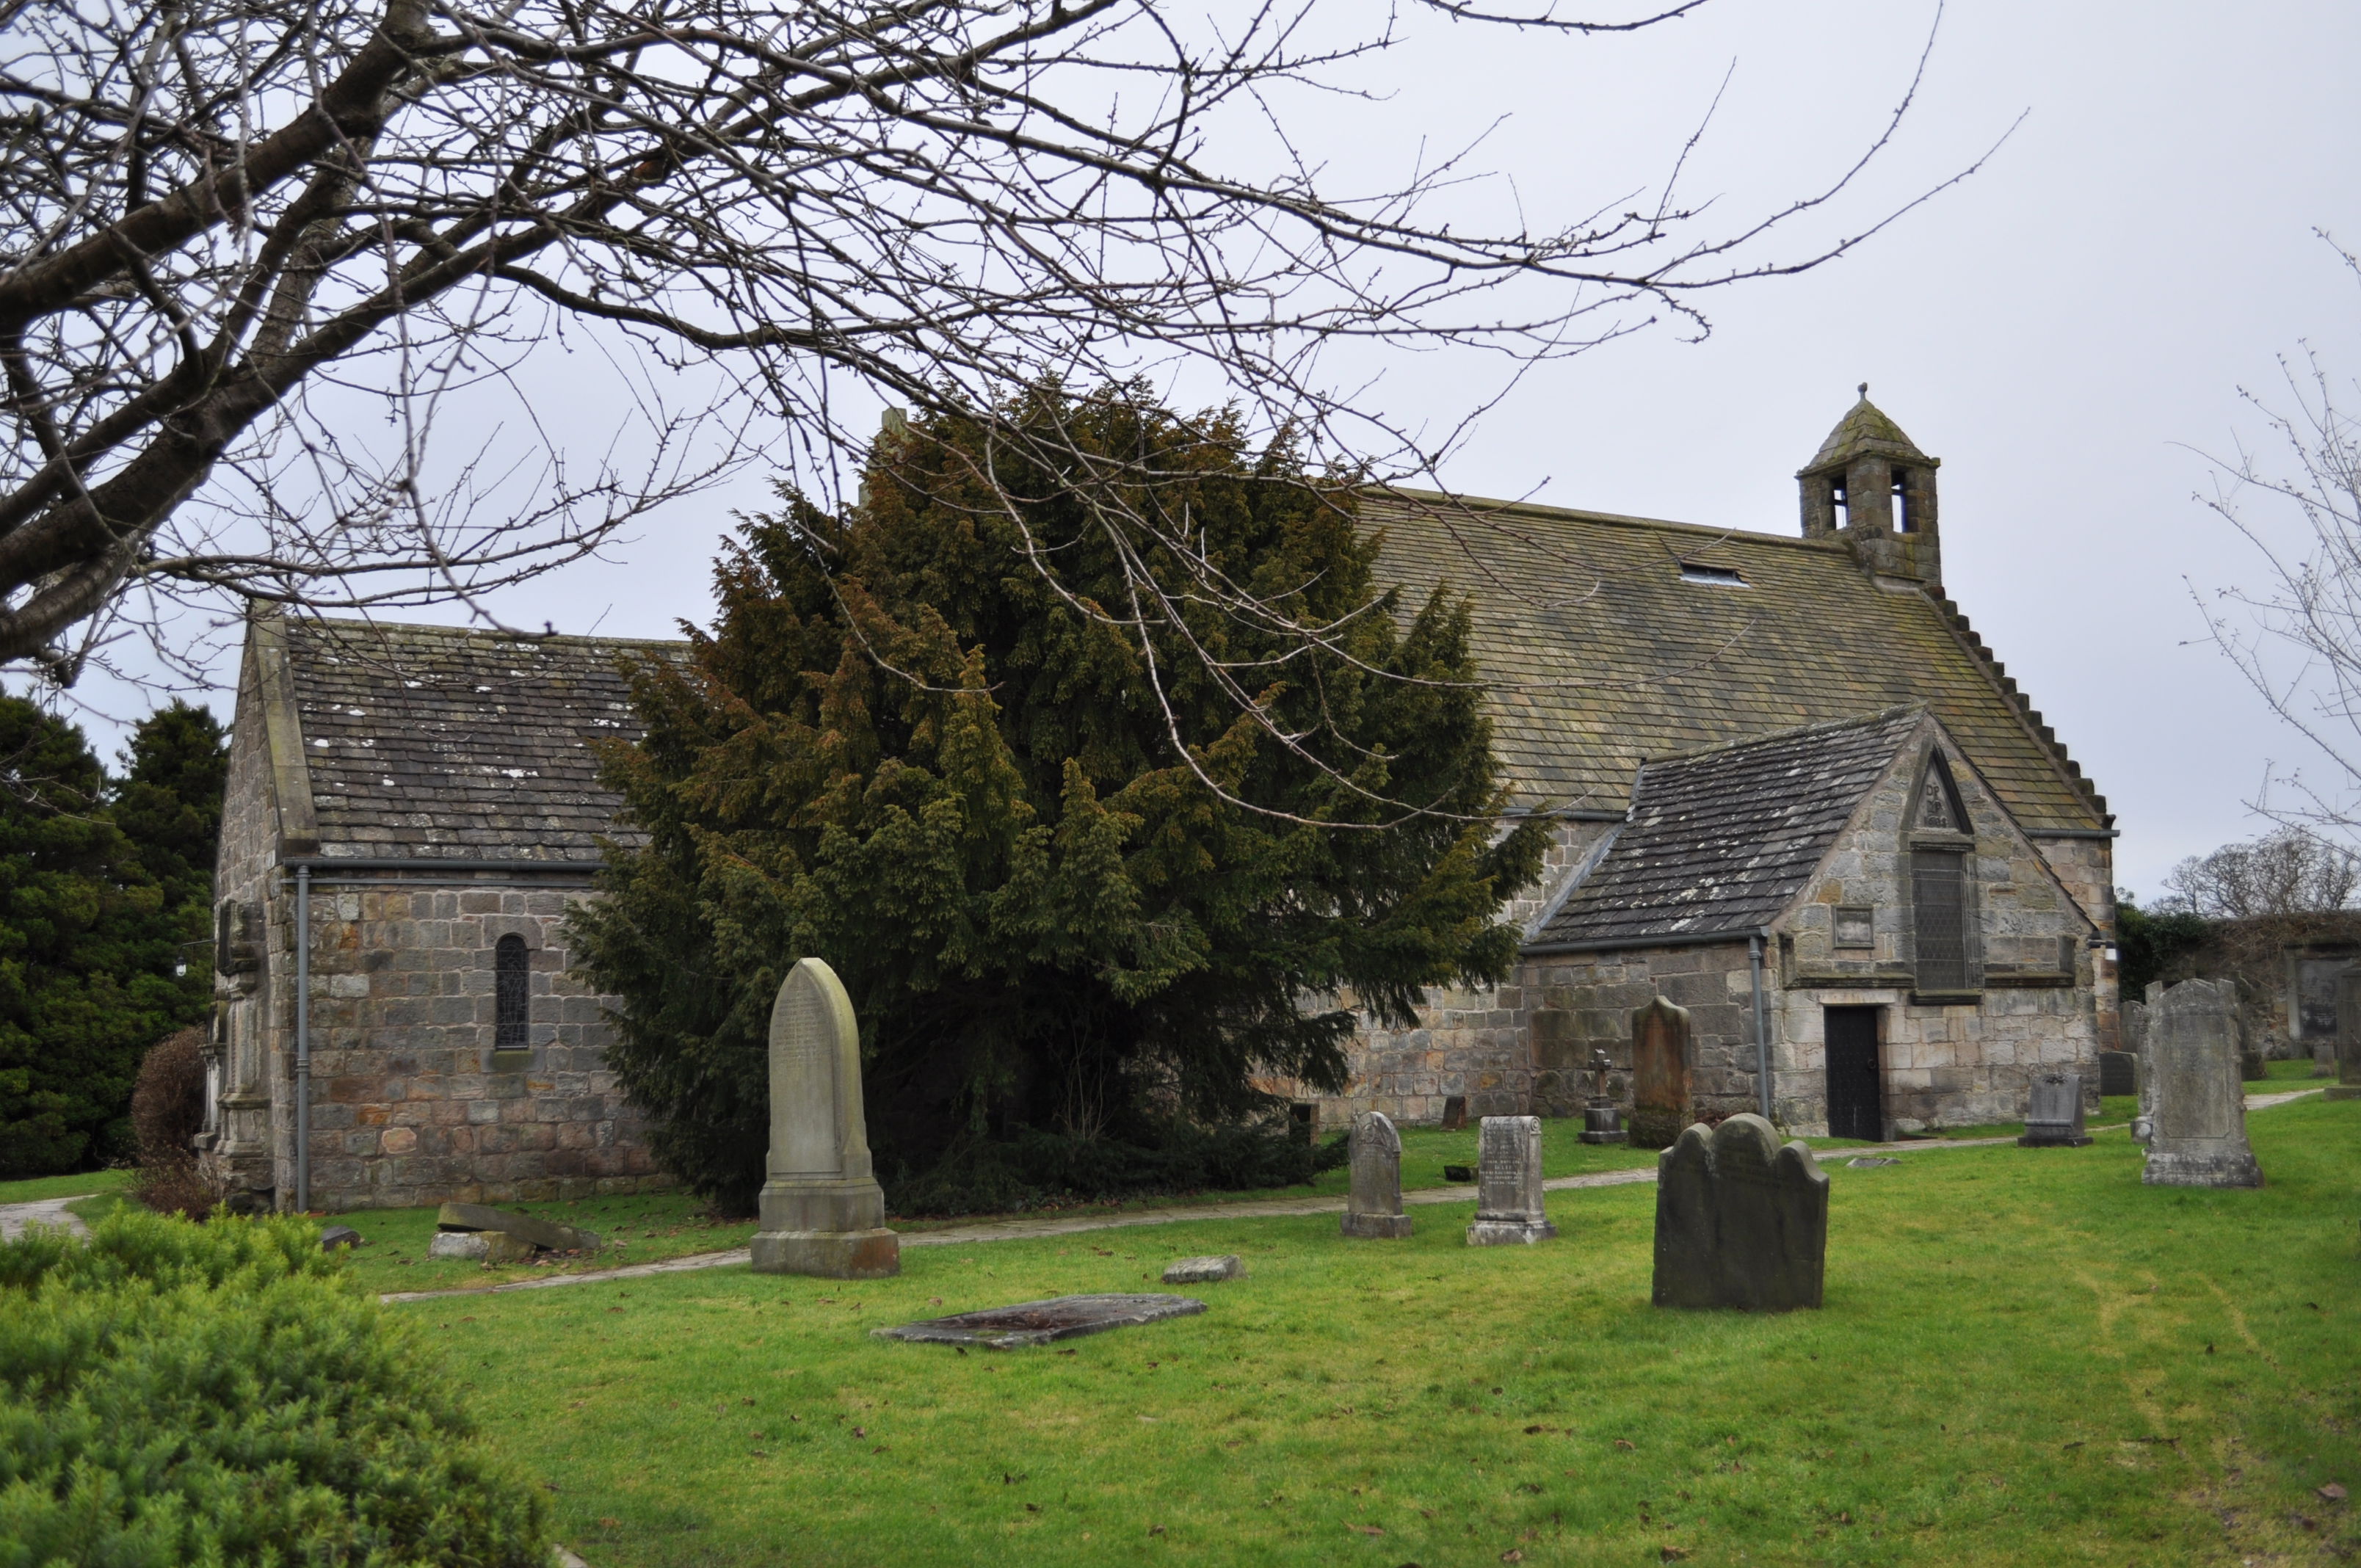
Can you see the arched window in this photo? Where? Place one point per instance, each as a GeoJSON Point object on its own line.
{"type": "Point", "coordinates": [512, 995]}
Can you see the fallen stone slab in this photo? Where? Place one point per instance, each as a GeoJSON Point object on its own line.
{"type": "Point", "coordinates": [1042, 1322]}
{"type": "Point", "coordinates": [1870, 1162]}
{"type": "Point", "coordinates": [334, 1237]}
{"type": "Point", "coordinates": [525, 1227]}
{"type": "Point", "coordinates": [481, 1246]}
{"type": "Point", "coordinates": [1204, 1270]}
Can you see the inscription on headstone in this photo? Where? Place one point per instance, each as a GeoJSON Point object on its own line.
{"type": "Point", "coordinates": [1741, 1220]}
{"type": "Point", "coordinates": [2197, 1106]}
{"type": "Point", "coordinates": [2053, 1112]}
{"type": "Point", "coordinates": [1509, 1184]}
{"type": "Point", "coordinates": [822, 1211]}
{"type": "Point", "coordinates": [1373, 1207]}
{"type": "Point", "coordinates": [1660, 1074]}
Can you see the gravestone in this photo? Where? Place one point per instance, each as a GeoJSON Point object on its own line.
{"type": "Point", "coordinates": [1602, 1120]}
{"type": "Point", "coordinates": [1204, 1270]}
{"type": "Point", "coordinates": [2053, 1112]}
{"type": "Point", "coordinates": [1509, 1184]}
{"type": "Point", "coordinates": [2118, 1072]}
{"type": "Point", "coordinates": [1741, 1220]}
{"type": "Point", "coordinates": [526, 1228]}
{"type": "Point", "coordinates": [1454, 1113]}
{"type": "Point", "coordinates": [1043, 1322]}
{"type": "Point", "coordinates": [1373, 1206]}
{"type": "Point", "coordinates": [2348, 1038]}
{"type": "Point", "coordinates": [822, 1211]}
{"type": "Point", "coordinates": [2197, 1111]}
{"type": "Point", "coordinates": [1660, 1074]}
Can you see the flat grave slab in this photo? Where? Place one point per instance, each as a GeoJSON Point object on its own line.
{"type": "Point", "coordinates": [1040, 1322]}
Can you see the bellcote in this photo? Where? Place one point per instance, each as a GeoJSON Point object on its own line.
{"type": "Point", "coordinates": [1869, 486]}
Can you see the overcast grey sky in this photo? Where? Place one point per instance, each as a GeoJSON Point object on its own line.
{"type": "Point", "coordinates": [2054, 329]}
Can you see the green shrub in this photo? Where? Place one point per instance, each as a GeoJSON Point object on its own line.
{"type": "Point", "coordinates": [173, 1393]}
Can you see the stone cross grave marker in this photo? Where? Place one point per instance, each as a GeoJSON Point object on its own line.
{"type": "Point", "coordinates": [1602, 1119]}
{"type": "Point", "coordinates": [1741, 1220]}
{"type": "Point", "coordinates": [2348, 1037]}
{"type": "Point", "coordinates": [2053, 1111]}
{"type": "Point", "coordinates": [1509, 1184]}
{"type": "Point", "coordinates": [2197, 1132]}
{"type": "Point", "coordinates": [1373, 1207]}
{"type": "Point", "coordinates": [822, 1211]}
{"type": "Point", "coordinates": [1660, 1074]}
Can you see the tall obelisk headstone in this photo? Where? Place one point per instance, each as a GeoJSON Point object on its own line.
{"type": "Point", "coordinates": [2348, 1037]}
{"type": "Point", "coordinates": [1509, 1184]}
{"type": "Point", "coordinates": [1374, 1207]}
{"type": "Point", "coordinates": [823, 1211]}
{"type": "Point", "coordinates": [2197, 1134]}
{"type": "Point", "coordinates": [1660, 1074]}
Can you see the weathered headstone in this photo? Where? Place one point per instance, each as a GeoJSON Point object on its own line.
{"type": "Point", "coordinates": [480, 1246]}
{"type": "Point", "coordinates": [1454, 1113]}
{"type": "Point", "coordinates": [1740, 1220]}
{"type": "Point", "coordinates": [1204, 1270]}
{"type": "Point", "coordinates": [2053, 1112]}
{"type": "Point", "coordinates": [2348, 1038]}
{"type": "Point", "coordinates": [822, 1211]}
{"type": "Point", "coordinates": [2118, 1072]}
{"type": "Point", "coordinates": [1660, 1074]}
{"type": "Point", "coordinates": [1509, 1184]}
{"type": "Point", "coordinates": [334, 1237]}
{"type": "Point", "coordinates": [2197, 1117]}
{"type": "Point", "coordinates": [1373, 1205]}
{"type": "Point", "coordinates": [1043, 1322]}
{"type": "Point", "coordinates": [527, 1228]}
{"type": "Point", "coordinates": [1602, 1119]}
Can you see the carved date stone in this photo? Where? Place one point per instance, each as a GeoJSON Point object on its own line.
{"type": "Point", "coordinates": [2197, 1106]}
{"type": "Point", "coordinates": [1509, 1184]}
{"type": "Point", "coordinates": [1373, 1207]}
{"type": "Point", "coordinates": [822, 1210]}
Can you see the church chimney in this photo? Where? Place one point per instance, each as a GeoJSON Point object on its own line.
{"type": "Point", "coordinates": [1869, 486]}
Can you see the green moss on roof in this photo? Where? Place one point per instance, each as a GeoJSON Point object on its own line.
{"type": "Point", "coordinates": [1864, 428]}
{"type": "Point", "coordinates": [1601, 654]}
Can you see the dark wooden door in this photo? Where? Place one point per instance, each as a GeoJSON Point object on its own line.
{"type": "Point", "coordinates": [1856, 1093]}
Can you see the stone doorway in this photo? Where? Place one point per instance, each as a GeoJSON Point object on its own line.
{"type": "Point", "coordinates": [1856, 1087]}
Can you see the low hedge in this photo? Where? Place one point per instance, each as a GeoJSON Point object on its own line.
{"type": "Point", "coordinates": [173, 1393]}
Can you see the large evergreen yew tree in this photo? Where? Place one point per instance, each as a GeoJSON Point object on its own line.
{"type": "Point", "coordinates": [1088, 876]}
{"type": "Point", "coordinates": [92, 925]}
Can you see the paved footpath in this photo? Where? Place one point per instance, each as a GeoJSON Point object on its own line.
{"type": "Point", "coordinates": [1261, 1209]}
{"type": "Point", "coordinates": [14, 1217]}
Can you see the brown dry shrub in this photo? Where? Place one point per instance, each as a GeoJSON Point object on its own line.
{"type": "Point", "coordinates": [168, 1110]}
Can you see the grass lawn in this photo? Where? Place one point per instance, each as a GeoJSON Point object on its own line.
{"type": "Point", "coordinates": [671, 1224]}
{"type": "Point", "coordinates": [36, 1189]}
{"type": "Point", "coordinates": [2025, 1358]}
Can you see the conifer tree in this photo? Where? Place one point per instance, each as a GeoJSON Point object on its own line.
{"type": "Point", "coordinates": [169, 803]}
{"type": "Point", "coordinates": [88, 949]}
{"type": "Point", "coordinates": [1078, 950]}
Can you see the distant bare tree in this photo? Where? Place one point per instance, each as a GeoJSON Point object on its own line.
{"type": "Point", "coordinates": [2286, 872]}
{"type": "Point", "coordinates": [251, 249]}
{"type": "Point", "coordinates": [2298, 639]}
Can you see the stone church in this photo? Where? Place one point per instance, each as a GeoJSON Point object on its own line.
{"type": "Point", "coordinates": [1793, 792]}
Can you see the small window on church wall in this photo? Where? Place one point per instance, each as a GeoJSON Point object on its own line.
{"type": "Point", "coordinates": [1903, 521]}
{"type": "Point", "coordinates": [511, 996]}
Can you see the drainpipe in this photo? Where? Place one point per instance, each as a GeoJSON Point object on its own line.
{"type": "Point", "coordinates": [1761, 1029]}
{"type": "Point", "coordinates": [303, 1039]}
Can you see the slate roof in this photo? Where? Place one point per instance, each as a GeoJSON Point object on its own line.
{"type": "Point", "coordinates": [1726, 840]}
{"type": "Point", "coordinates": [458, 743]}
{"type": "Point", "coordinates": [1600, 654]}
